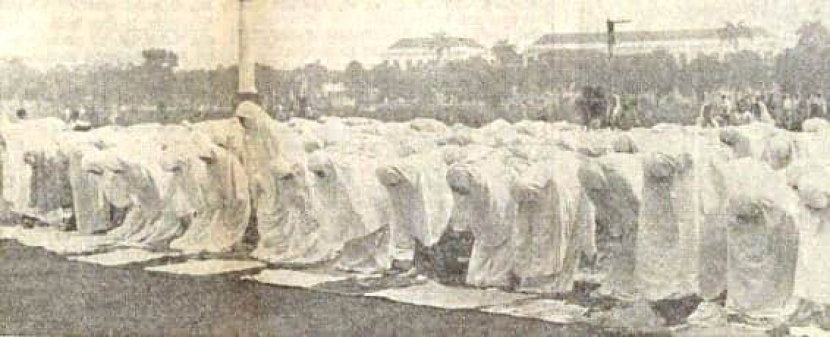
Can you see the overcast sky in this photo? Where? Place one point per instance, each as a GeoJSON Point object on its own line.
{"type": "Point", "coordinates": [292, 32]}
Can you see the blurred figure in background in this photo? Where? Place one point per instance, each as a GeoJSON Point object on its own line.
{"type": "Point", "coordinates": [760, 111]}
{"type": "Point", "coordinates": [707, 117]}
{"type": "Point", "coordinates": [21, 114]}
{"type": "Point", "coordinates": [76, 123]}
{"type": "Point", "coordinates": [802, 107]}
{"type": "Point", "coordinates": [818, 106]}
{"type": "Point", "coordinates": [724, 110]}
{"type": "Point", "coordinates": [788, 113]}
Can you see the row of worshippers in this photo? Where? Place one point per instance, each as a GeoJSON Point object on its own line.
{"type": "Point", "coordinates": [541, 190]}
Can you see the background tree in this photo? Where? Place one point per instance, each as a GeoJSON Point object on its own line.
{"type": "Point", "coordinates": [746, 69]}
{"type": "Point", "coordinates": [705, 73]}
{"type": "Point", "coordinates": [505, 54]}
{"type": "Point", "coordinates": [157, 73]}
{"type": "Point", "coordinates": [356, 80]}
{"type": "Point", "coordinates": [804, 68]}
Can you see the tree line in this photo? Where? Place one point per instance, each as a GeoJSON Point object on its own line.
{"type": "Point", "coordinates": [158, 81]}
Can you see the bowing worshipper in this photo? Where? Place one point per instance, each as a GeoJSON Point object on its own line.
{"type": "Point", "coordinates": [210, 187]}
{"type": "Point", "coordinates": [667, 232]}
{"type": "Point", "coordinates": [226, 133]}
{"type": "Point", "coordinates": [421, 201]}
{"type": "Point", "coordinates": [329, 201]}
{"type": "Point", "coordinates": [747, 140]}
{"type": "Point", "coordinates": [681, 224]}
{"type": "Point", "coordinates": [130, 185]}
{"type": "Point", "coordinates": [615, 184]}
{"type": "Point", "coordinates": [811, 180]}
{"type": "Point", "coordinates": [289, 227]}
{"type": "Point", "coordinates": [815, 125]}
{"type": "Point", "coordinates": [90, 211]}
{"type": "Point", "coordinates": [349, 199]}
{"type": "Point", "coordinates": [51, 192]}
{"type": "Point", "coordinates": [17, 174]}
{"type": "Point", "coordinates": [483, 204]}
{"type": "Point", "coordinates": [781, 150]}
{"type": "Point", "coordinates": [762, 242]}
{"type": "Point", "coordinates": [269, 154]}
{"type": "Point", "coordinates": [280, 190]}
{"type": "Point", "coordinates": [553, 226]}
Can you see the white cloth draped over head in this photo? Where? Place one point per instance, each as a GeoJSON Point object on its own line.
{"type": "Point", "coordinates": [812, 180]}
{"type": "Point", "coordinates": [762, 238]}
{"type": "Point", "coordinates": [225, 133]}
{"type": "Point", "coordinates": [815, 125]}
{"type": "Point", "coordinates": [615, 185]}
{"type": "Point", "coordinates": [134, 179]}
{"type": "Point", "coordinates": [427, 125]}
{"type": "Point", "coordinates": [210, 185]}
{"type": "Point", "coordinates": [483, 204]}
{"type": "Point", "coordinates": [747, 140]}
{"type": "Point", "coordinates": [699, 197]}
{"type": "Point", "coordinates": [289, 232]}
{"type": "Point", "coordinates": [92, 212]}
{"type": "Point", "coordinates": [667, 236]}
{"type": "Point", "coordinates": [420, 197]}
{"type": "Point", "coordinates": [50, 184]}
{"type": "Point", "coordinates": [268, 146]}
{"type": "Point", "coordinates": [811, 146]}
{"type": "Point", "coordinates": [348, 198]}
{"type": "Point", "coordinates": [27, 136]}
{"type": "Point", "coordinates": [331, 199]}
{"type": "Point", "coordinates": [554, 223]}
{"type": "Point", "coordinates": [273, 157]}
{"type": "Point", "coordinates": [781, 150]}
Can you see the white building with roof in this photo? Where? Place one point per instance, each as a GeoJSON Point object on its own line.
{"type": "Point", "coordinates": [409, 53]}
{"type": "Point", "coordinates": [683, 44]}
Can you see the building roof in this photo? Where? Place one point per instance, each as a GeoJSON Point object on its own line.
{"type": "Point", "coordinates": [649, 36]}
{"type": "Point", "coordinates": [435, 42]}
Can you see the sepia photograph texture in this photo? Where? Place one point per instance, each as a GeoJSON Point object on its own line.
{"type": "Point", "coordinates": [414, 168]}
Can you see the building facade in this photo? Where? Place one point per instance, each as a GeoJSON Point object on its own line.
{"type": "Point", "coordinates": [683, 44]}
{"type": "Point", "coordinates": [413, 53]}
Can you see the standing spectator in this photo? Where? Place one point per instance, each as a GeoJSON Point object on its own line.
{"type": "Point", "coordinates": [788, 113]}
{"type": "Point", "coordinates": [161, 109]}
{"type": "Point", "coordinates": [802, 111]}
{"type": "Point", "coordinates": [760, 111]}
{"type": "Point", "coordinates": [772, 104]}
{"type": "Point", "coordinates": [725, 108]}
{"type": "Point", "coordinates": [820, 106]}
{"type": "Point", "coordinates": [707, 116]}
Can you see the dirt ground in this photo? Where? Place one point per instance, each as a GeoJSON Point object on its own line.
{"type": "Point", "coordinates": [44, 294]}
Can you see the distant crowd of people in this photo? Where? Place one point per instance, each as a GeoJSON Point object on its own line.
{"type": "Point", "coordinates": [599, 109]}
{"type": "Point", "coordinates": [787, 111]}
